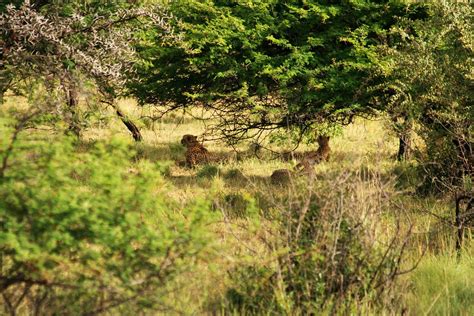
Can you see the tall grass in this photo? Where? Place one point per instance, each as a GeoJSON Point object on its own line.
{"type": "Point", "coordinates": [253, 270]}
{"type": "Point", "coordinates": [365, 151]}
{"type": "Point", "coordinates": [443, 285]}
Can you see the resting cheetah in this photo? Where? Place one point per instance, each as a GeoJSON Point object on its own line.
{"type": "Point", "coordinates": [281, 176]}
{"type": "Point", "coordinates": [312, 158]}
{"type": "Point", "coordinates": [195, 153]}
{"type": "Point", "coordinates": [306, 165]}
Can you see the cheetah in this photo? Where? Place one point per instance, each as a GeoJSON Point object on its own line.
{"type": "Point", "coordinates": [281, 176]}
{"type": "Point", "coordinates": [195, 152]}
{"type": "Point", "coordinates": [313, 158]}
{"type": "Point", "coordinates": [291, 155]}
{"type": "Point", "coordinates": [306, 165]}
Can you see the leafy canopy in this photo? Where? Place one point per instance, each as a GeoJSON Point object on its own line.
{"type": "Point", "coordinates": [269, 64]}
{"type": "Point", "coordinates": [431, 80]}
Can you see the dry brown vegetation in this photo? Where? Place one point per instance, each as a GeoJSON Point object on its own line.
{"type": "Point", "coordinates": [362, 185]}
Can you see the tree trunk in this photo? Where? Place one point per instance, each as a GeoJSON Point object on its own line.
{"type": "Point", "coordinates": [462, 219]}
{"type": "Point", "coordinates": [110, 100]}
{"type": "Point", "coordinates": [404, 147]}
{"type": "Point", "coordinates": [459, 226]}
{"type": "Point", "coordinates": [137, 136]}
{"type": "Point", "coordinates": [5, 81]}
{"type": "Point", "coordinates": [72, 100]}
{"type": "Point", "coordinates": [403, 129]}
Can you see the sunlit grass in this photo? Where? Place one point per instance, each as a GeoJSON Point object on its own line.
{"type": "Point", "coordinates": [441, 285]}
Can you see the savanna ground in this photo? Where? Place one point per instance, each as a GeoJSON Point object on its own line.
{"type": "Point", "coordinates": [237, 186]}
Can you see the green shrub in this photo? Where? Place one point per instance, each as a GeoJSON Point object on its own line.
{"type": "Point", "coordinates": [177, 150]}
{"type": "Point", "coordinates": [255, 296]}
{"type": "Point", "coordinates": [82, 232]}
{"type": "Point", "coordinates": [236, 205]}
{"type": "Point", "coordinates": [430, 85]}
{"type": "Point", "coordinates": [208, 171]}
{"type": "Point", "coordinates": [443, 168]}
{"type": "Point", "coordinates": [234, 175]}
{"type": "Point", "coordinates": [408, 176]}
{"type": "Point", "coordinates": [164, 168]}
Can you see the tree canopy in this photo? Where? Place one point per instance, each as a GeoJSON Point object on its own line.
{"type": "Point", "coordinates": [261, 65]}
{"type": "Point", "coordinates": [431, 82]}
{"type": "Point", "coordinates": [63, 45]}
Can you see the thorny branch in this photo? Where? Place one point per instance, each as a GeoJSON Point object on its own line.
{"type": "Point", "coordinates": [100, 48]}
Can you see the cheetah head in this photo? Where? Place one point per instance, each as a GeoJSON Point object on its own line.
{"type": "Point", "coordinates": [188, 140]}
{"type": "Point", "coordinates": [323, 140]}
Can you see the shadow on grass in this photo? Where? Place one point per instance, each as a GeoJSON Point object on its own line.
{"type": "Point", "coordinates": [160, 152]}
{"type": "Point", "coordinates": [231, 179]}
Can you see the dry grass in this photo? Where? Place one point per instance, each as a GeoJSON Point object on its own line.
{"type": "Point", "coordinates": [364, 149]}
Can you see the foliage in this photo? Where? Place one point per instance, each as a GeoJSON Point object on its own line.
{"type": "Point", "coordinates": [208, 171]}
{"type": "Point", "coordinates": [90, 228]}
{"type": "Point", "coordinates": [235, 175]}
{"type": "Point", "coordinates": [68, 37]}
{"type": "Point", "coordinates": [296, 136]}
{"type": "Point", "coordinates": [62, 47]}
{"type": "Point", "coordinates": [264, 65]}
{"type": "Point", "coordinates": [432, 82]}
{"type": "Point", "coordinates": [82, 233]}
{"type": "Point", "coordinates": [16, 3]}
{"type": "Point", "coordinates": [236, 205]}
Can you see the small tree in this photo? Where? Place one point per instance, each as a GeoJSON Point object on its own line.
{"type": "Point", "coordinates": [431, 83]}
{"type": "Point", "coordinates": [81, 234]}
{"type": "Point", "coordinates": [65, 45]}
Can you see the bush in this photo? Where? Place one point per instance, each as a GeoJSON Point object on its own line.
{"type": "Point", "coordinates": [82, 233]}
{"type": "Point", "coordinates": [235, 175]}
{"type": "Point", "coordinates": [176, 151]}
{"type": "Point", "coordinates": [208, 171]}
{"type": "Point", "coordinates": [431, 86]}
{"type": "Point", "coordinates": [236, 205]}
{"type": "Point", "coordinates": [445, 168]}
{"type": "Point", "coordinates": [331, 250]}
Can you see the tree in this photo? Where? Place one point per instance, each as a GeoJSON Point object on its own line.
{"type": "Point", "coordinates": [264, 65]}
{"type": "Point", "coordinates": [431, 82]}
{"type": "Point", "coordinates": [5, 75]}
{"type": "Point", "coordinates": [62, 45]}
